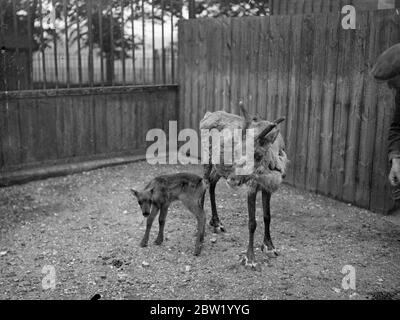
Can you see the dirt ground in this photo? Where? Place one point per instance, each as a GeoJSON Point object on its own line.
{"type": "Point", "coordinates": [89, 227]}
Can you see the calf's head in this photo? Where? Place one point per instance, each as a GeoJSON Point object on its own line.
{"type": "Point", "coordinates": [144, 199]}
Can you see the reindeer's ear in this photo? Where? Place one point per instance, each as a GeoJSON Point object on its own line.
{"type": "Point", "coordinates": [134, 192]}
{"type": "Point", "coordinates": [271, 137]}
{"type": "Point", "coordinates": [247, 118]}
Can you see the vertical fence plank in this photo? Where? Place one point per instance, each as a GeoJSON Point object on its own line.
{"type": "Point", "coordinates": [30, 49]}
{"type": "Point", "coordinates": [357, 71]}
{"type": "Point", "coordinates": [78, 43]}
{"type": "Point", "coordinates": [253, 73]}
{"type": "Point", "coordinates": [263, 65]}
{"type": "Point", "coordinates": [101, 48]}
{"type": "Point", "coordinates": [55, 51]}
{"type": "Point", "coordinates": [273, 69]}
{"type": "Point", "coordinates": [300, 6]}
{"type": "Point", "coordinates": [326, 6]}
{"type": "Point", "coordinates": [291, 6]}
{"type": "Point", "coordinates": [294, 86]}
{"type": "Point", "coordinates": [17, 52]}
{"type": "Point", "coordinates": [111, 61]}
{"type": "Point", "coordinates": [202, 73]}
{"type": "Point", "coordinates": [153, 45]}
{"type": "Point", "coordinates": [318, 69]}
{"type": "Point", "coordinates": [123, 43]}
{"type": "Point", "coordinates": [66, 35]}
{"type": "Point", "coordinates": [182, 56]}
{"type": "Point", "coordinates": [143, 45]}
{"type": "Point", "coordinates": [133, 42]}
{"type": "Point", "coordinates": [163, 43]}
{"type": "Point", "coordinates": [368, 120]}
{"type": "Point", "coordinates": [245, 53]}
{"type": "Point", "coordinates": [284, 68]}
{"type": "Point", "coordinates": [42, 47]}
{"type": "Point", "coordinates": [172, 44]}
{"type": "Point", "coordinates": [199, 40]}
{"type": "Point", "coordinates": [90, 34]}
{"type": "Point", "coordinates": [276, 7]}
{"type": "Point", "coordinates": [317, 6]}
{"type": "Point", "coordinates": [307, 36]}
{"type": "Point", "coordinates": [236, 66]}
{"type": "Point", "coordinates": [328, 103]}
{"type": "Point", "coordinates": [342, 110]}
{"type": "Point", "coordinates": [226, 43]}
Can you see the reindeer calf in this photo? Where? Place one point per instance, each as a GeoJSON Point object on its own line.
{"type": "Point", "coordinates": [161, 192]}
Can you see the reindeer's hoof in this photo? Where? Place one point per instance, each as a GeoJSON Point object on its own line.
{"type": "Point", "coordinates": [197, 251]}
{"type": "Point", "coordinates": [143, 244]}
{"type": "Point", "coordinates": [218, 228]}
{"type": "Point", "coordinates": [271, 253]}
{"type": "Point", "coordinates": [158, 242]}
{"type": "Point", "coordinates": [250, 264]}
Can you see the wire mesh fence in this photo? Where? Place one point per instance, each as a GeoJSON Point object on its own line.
{"type": "Point", "coordinates": [63, 43]}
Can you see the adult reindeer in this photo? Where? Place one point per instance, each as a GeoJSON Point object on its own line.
{"type": "Point", "coordinates": [270, 162]}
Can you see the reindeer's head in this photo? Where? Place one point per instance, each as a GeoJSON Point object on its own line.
{"type": "Point", "coordinates": [269, 153]}
{"type": "Point", "coordinates": [144, 199]}
{"type": "Point", "coordinates": [270, 159]}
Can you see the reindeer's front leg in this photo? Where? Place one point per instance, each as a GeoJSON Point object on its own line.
{"type": "Point", "coordinates": [149, 223]}
{"type": "Point", "coordinates": [267, 247]}
{"type": "Point", "coordinates": [161, 221]}
{"type": "Point", "coordinates": [251, 205]}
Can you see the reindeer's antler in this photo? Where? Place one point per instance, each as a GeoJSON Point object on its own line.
{"type": "Point", "coordinates": [280, 120]}
{"type": "Point", "coordinates": [247, 119]}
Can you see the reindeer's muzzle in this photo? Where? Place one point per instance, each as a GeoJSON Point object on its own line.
{"type": "Point", "coordinates": [273, 168]}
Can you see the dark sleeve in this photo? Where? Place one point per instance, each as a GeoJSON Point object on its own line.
{"type": "Point", "coordinates": [394, 131]}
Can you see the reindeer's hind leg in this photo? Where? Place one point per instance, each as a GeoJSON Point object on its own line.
{"type": "Point", "coordinates": [214, 222]}
{"type": "Point", "coordinates": [249, 260]}
{"type": "Point", "coordinates": [195, 207]}
{"type": "Point", "coordinates": [212, 178]}
{"type": "Point", "coordinates": [267, 246]}
{"type": "Point", "coordinates": [161, 220]}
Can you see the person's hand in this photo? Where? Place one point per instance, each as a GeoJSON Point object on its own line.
{"type": "Point", "coordinates": [394, 175]}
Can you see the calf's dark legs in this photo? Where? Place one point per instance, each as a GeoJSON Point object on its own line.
{"type": "Point", "coordinates": [149, 223]}
{"type": "Point", "coordinates": [197, 210]}
{"type": "Point", "coordinates": [161, 221]}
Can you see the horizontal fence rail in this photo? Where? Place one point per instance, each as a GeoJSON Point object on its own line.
{"type": "Point", "coordinates": [50, 127]}
{"type": "Point", "coordinates": [311, 71]}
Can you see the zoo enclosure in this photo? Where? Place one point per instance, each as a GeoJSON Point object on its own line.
{"type": "Point", "coordinates": [98, 79]}
{"type": "Point", "coordinates": [316, 74]}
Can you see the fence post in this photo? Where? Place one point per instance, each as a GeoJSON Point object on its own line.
{"type": "Point", "coordinates": [192, 14]}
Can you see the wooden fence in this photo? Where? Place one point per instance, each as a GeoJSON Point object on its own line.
{"type": "Point", "coordinates": [313, 72]}
{"type": "Point", "coordinates": [42, 128]}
